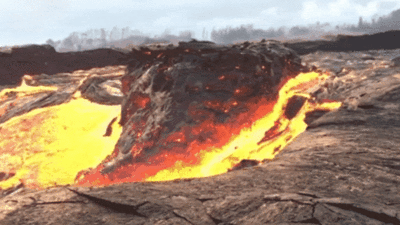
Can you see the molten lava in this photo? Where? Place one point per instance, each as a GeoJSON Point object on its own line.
{"type": "Point", "coordinates": [49, 146]}
{"type": "Point", "coordinates": [59, 145]}
{"type": "Point", "coordinates": [213, 148]}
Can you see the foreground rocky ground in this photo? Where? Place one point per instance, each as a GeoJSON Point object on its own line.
{"type": "Point", "coordinates": [343, 170]}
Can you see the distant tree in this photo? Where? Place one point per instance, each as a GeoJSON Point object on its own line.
{"type": "Point", "coordinates": [51, 42]}
{"type": "Point", "coordinates": [103, 37]}
{"type": "Point", "coordinates": [360, 22]}
{"type": "Point", "coordinates": [96, 34]}
{"type": "Point", "coordinates": [230, 35]}
{"type": "Point", "coordinates": [297, 30]}
{"type": "Point", "coordinates": [68, 43]}
{"type": "Point", "coordinates": [124, 32]}
{"type": "Point", "coordinates": [185, 35]}
{"type": "Point", "coordinates": [204, 34]}
{"type": "Point", "coordinates": [89, 41]}
{"type": "Point", "coordinates": [115, 34]}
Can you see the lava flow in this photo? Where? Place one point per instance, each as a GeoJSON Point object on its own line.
{"type": "Point", "coordinates": [49, 146]}
{"type": "Point", "coordinates": [58, 145]}
{"type": "Point", "coordinates": [213, 148]}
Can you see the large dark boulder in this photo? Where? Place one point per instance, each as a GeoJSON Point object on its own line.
{"type": "Point", "coordinates": [168, 88]}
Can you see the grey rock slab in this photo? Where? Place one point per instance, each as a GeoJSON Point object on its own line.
{"type": "Point", "coordinates": [396, 61]}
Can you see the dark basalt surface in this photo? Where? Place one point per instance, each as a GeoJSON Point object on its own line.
{"type": "Point", "coordinates": [43, 59]}
{"type": "Point", "coordinates": [343, 43]}
{"type": "Point", "coordinates": [168, 88]}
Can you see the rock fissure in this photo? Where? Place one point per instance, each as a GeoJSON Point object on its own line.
{"type": "Point", "coordinates": [119, 207]}
{"type": "Point", "coordinates": [380, 216]}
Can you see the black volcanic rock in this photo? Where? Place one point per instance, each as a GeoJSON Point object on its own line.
{"type": "Point", "coordinates": [32, 50]}
{"type": "Point", "coordinates": [43, 59]}
{"type": "Point", "coordinates": [168, 88]}
{"type": "Point", "coordinates": [344, 43]}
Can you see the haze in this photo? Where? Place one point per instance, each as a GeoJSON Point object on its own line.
{"type": "Point", "coordinates": [54, 21]}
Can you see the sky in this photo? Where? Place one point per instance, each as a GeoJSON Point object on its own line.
{"type": "Point", "coordinates": [36, 21]}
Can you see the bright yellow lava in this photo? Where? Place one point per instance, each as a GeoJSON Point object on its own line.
{"type": "Point", "coordinates": [244, 145]}
{"type": "Point", "coordinates": [49, 146]}
{"type": "Point", "coordinates": [25, 89]}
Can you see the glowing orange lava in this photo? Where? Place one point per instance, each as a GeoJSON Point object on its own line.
{"type": "Point", "coordinates": [50, 146]}
{"type": "Point", "coordinates": [257, 134]}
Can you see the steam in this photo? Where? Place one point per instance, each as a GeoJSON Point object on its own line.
{"type": "Point", "coordinates": [118, 38]}
{"type": "Point", "coordinates": [311, 32]}
{"type": "Point", "coordinates": [381, 24]}
{"type": "Point", "coordinates": [125, 37]}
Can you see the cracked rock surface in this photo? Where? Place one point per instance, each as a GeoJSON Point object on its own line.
{"type": "Point", "coordinates": [344, 169]}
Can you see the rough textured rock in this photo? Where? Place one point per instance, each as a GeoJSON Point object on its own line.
{"type": "Point", "coordinates": [38, 59]}
{"type": "Point", "coordinates": [396, 60]}
{"type": "Point", "coordinates": [344, 43]}
{"type": "Point", "coordinates": [168, 88]}
{"type": "Point", "coordinates": [105, 90]}
{"type": "Point", "coordinates": [100, 85]}
{"type": "Point", "coordinates": [344, 169]}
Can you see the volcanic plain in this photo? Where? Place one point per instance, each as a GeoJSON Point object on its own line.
{"type": "Point", "coordinates": [344, 169]}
